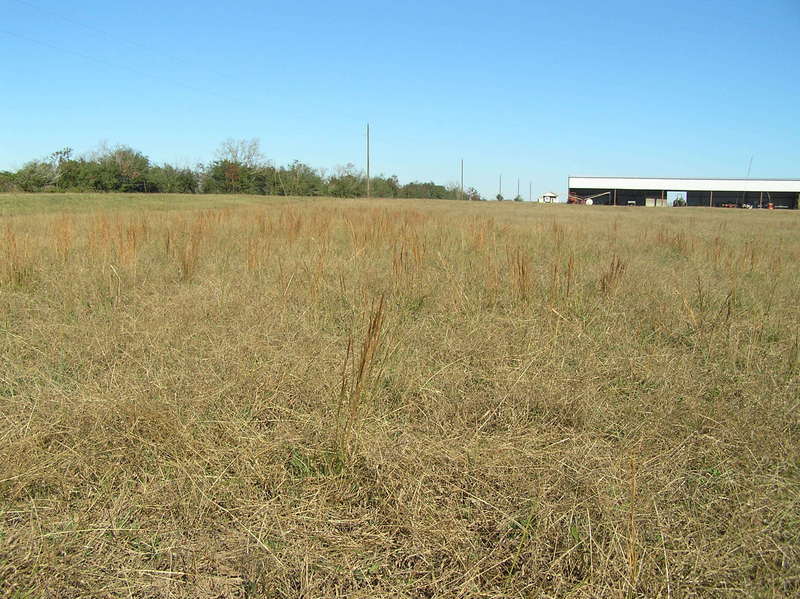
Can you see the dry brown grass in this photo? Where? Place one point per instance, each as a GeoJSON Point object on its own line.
{"type": "Point", "coordinates": [398, 399]}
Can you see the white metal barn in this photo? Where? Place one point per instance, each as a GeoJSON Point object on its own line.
{"type": "Point", "coordinates": [643, 191]}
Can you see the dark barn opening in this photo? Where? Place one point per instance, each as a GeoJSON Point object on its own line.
{"type": "Point", "coordinates": [730, 193]}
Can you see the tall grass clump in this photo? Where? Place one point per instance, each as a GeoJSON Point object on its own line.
{"type": "Point", "coordinates": [357, 369]}
{"type": "Point", "coordinates": [18, 263]}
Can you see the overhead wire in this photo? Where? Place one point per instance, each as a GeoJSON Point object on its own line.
{"type": "Point", "coordinates": [225, 98]}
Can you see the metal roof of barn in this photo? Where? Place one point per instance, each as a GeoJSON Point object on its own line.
{"type": "Point", "coordinates": [685, 184]}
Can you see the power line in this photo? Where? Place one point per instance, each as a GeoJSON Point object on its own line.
{"type": "Point", "coordinates": [118, 65]}
{"type": "Point", "coordinates": [117, 38]}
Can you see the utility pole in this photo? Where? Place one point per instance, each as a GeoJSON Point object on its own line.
{"type": "Point", "coordinates": [461, 193]}
{"type": "Point", "coordinates": [500, 190]}
{"type": "Point", "coordinates": [517, 188]}
{"type": "Point", "coordinates": [530, 191]}
{"type": "Point", "coordinates": [368, 181]}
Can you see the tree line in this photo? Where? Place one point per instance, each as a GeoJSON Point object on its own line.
{"type": "Point", "coordinates": [239, 166]}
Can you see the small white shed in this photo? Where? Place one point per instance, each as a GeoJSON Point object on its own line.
{"type": "Point", "coordinates": [548, 197]}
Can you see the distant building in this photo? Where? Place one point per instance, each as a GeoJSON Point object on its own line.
{"type": "Point", "coordinates": [549, 197]}
{"type": "Point", "coordinates": [641, 191]}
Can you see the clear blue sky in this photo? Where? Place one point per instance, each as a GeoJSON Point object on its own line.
{"type": "Point", "coordinates": [535, 90]}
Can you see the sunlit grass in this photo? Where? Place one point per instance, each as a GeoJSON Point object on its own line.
{"type": "Point", "coordinates": [237, 396]}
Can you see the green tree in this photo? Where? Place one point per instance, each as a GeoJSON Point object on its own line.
{"type": "Point", "coordinates": [299, 179]}
{"type": "Point", "coordinates": [171, 179]}
{"type": "Point", "coordinates": [128, 169]}
{"type": "Point", "coordinates": [244, 152]}
{"type": "Point", "coordinates": [36, 175]}
{"type": "Point", "coordinates": [472, 194]}
{"type": "Point", "coordinates": [7, 181]}
{"type": "Point", "coordinates": [347, 182]}
{"type": "Point", "coordinates": [239, 167]}
{"type": "Point", "coordinates": [430, 189]}
{"type": "Point", "coordinates": [385, 187]}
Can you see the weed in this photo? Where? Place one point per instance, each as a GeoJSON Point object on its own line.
{"type": "Point", "coordinates": [355, 379]}
{"type": "Point", "coordinates": [611, 277]}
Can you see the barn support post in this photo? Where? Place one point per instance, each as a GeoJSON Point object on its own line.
{"type": "Point", "coordinates": [711, 199]}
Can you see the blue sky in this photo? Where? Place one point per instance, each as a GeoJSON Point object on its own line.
{"type": "Point", "coordinates": [535, 91]}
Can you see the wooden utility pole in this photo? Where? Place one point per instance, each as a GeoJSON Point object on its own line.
{"type": "Point", "coordinates": [461, 193]}
{"type": "Point", "coordinates": [530, 191]}
{"type": "Point", "coordinates": [368, 181]}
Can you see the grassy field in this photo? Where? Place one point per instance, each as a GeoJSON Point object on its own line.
{"type": "Point", "coordinates": [249, 397]}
